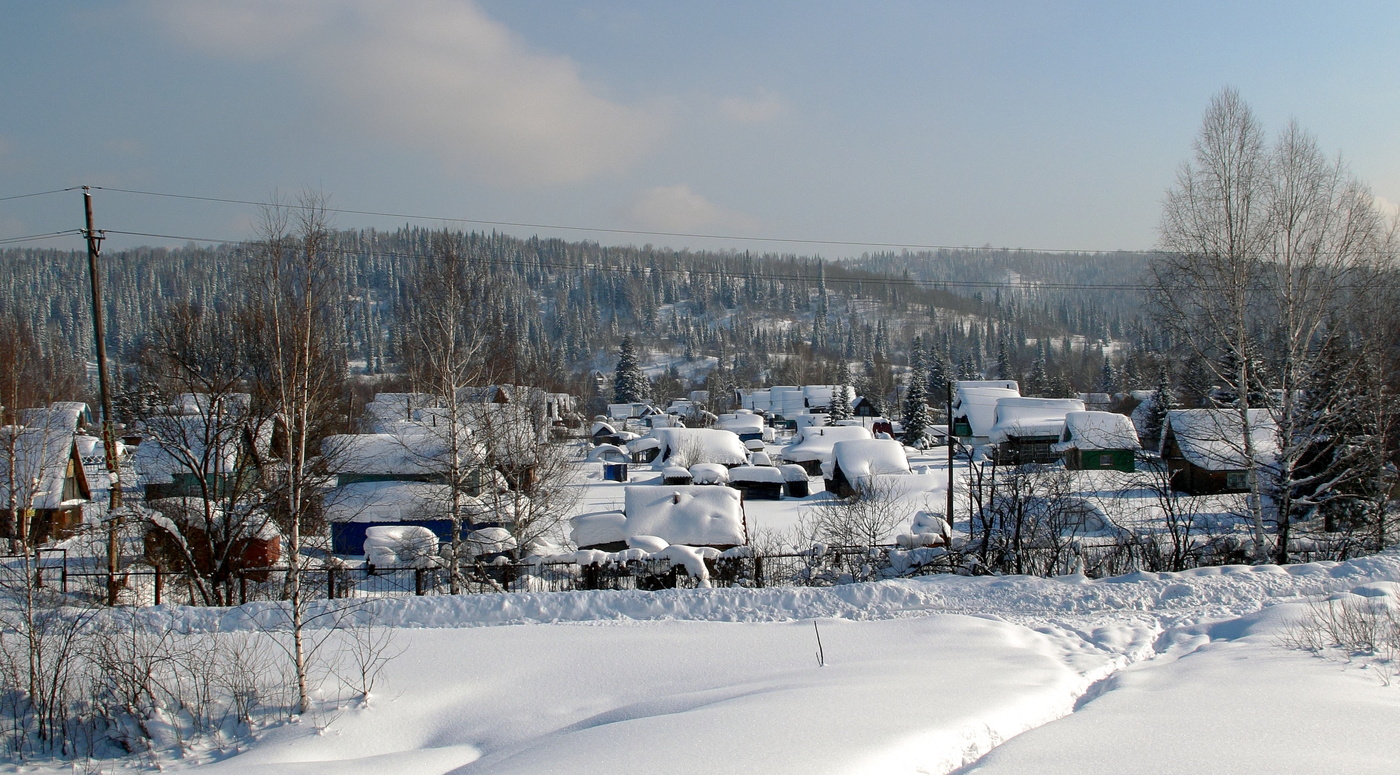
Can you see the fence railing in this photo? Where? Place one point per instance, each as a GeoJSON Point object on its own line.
{"type": "Point", "coordinates": [86, 578]}
{"type": "Point", "coordinates": [146, 585]}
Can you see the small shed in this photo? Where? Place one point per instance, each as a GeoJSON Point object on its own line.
{"type": "Point", "coordinates": [757, 482]}
{"type": "Point", "coordinates": [796, 482]}
{"type": "Point", "coordinates": [1094, 441]}
{"type": "Point", "coordinates": [676, 475]}
{"type": "Point", "coordinates": [1204, 448]}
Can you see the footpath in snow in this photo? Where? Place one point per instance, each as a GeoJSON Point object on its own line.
{"type": "Point", "coordinates": [1143, 673]}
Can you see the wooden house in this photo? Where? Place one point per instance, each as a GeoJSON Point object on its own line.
{"type": "Point", "coordinates": [1027, 429]}
{"type": "Point", "coordinates": [1205, 450]}
{"type": "Point", "coordinates": [1095, 441]}
{"type": "Point", "coordinates": [43, 486]}
{"type": "Point", "coordinates": [974, 407]}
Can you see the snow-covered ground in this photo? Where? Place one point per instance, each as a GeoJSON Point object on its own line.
{"type": "Point", "coordinates": [1144, 673]}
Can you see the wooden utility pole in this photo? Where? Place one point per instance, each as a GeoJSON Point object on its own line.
{"type": "Point", "coordinates": [109, 445]}
{"type": "Point", "coordinates": [949, 439]}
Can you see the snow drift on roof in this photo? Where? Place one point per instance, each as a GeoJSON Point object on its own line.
{"type": "Point", "coordinates": [688, 446]}
{"type": "Point", "coordinates": [815, 443]}
{"type": "Point", "coordinates": [1097, 430]}
{"type": "Point", "coordinates": [863, 458]}
{"type": "Point", "coordinates": [686, 514]}
{"type": "Point", "coordinates": [379, 502]}
{"type": "Point", "coordinates": [1213, 439]}
{"type": "Point", "coordinates": [976, 400]}
{"type": "Point", "coordinates": [1021, 417]}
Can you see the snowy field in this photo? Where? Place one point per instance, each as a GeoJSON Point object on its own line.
{"type": "Point", "coordinates": [1144, 673]}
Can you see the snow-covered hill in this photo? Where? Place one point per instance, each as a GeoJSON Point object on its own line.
{"type": "Point", "coordinates": [1176, 672]}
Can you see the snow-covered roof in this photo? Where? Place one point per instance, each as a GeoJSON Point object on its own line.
{"type": "Point", "coordinates": [976, 400]}
{"type": "Point", "coordinates": [393, 454]}
{"type": "Point", "coordinates": [608, 453]}
{"type": "Point", "coordinates": [396, 502]}
{"type": "Point", "coordinates": [699, 445]}
{"type": "Point", "coordinates": [686, 514]}
{"type": "Point", "coordinates": [815, 443]}
{"type": "Point", "coordinates": [1097, 430]}
{"type": "Point", "coordinates": [199, 443]}
{"type": "Point", "coordinates": [1018, 417]}
{"type": "Point", "coordinates": [709, 473]}
{"type": "Point", "coordinates": [598, 528]}
{"type": "Point", "coordinates": [763, 474]}
{"type": "Point", "coordinates": [40, 457]}
{"type": "Point", "coordinates": [747, 422]}
{"type": "Point", "coordinates": [862, 458]}
{"type": "Point", "coordinates": [1213, 439]}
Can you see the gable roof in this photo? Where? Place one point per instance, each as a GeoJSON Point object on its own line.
{"type": "Point", "coordinates": [976, 400]}
{"type": "Point", "coordinates": [1097, 431]}
{"type": "Point", "coordinates": [816, 442]}
{"type": "Point", "coordinates": [37, 460]}
{"type": "Point", "coordinates": [1213, 439]}
{"type": "Point", "coordinates": [1018, 417]}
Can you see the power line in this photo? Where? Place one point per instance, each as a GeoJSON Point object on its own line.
{"type": "Point", "coordinates": [35, 237]}
{"type": "Point", "coordinates": [604, 230]}
{"type": "Point", "coordinates": [38, 193]}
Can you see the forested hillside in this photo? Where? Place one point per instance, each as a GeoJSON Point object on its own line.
{"type": "Point", "coordinates": [564, 306]}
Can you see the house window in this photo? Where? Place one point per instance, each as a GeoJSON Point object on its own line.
{"type": "Point", "coordinates": [1236, 480]}
{"type": "Point", "coordinates": [1105, 461]}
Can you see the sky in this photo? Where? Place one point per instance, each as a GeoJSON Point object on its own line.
{"type": "Point", "coordinates": [814, 127]}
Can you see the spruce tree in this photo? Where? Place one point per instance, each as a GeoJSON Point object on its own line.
{"type": "Point", "coordinates": [629, 383]}
{"type": "Point", "coordinates": [916, 412]}
{"type": "Point", "coordinates": [840, 398]}
{"type": "Point", "coordinates": [1162, 402]}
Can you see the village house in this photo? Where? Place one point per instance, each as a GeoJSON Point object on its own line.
{"type": "Point", "coordinates": [812, 446]}
{"type": "Point", "coordinates": [687, 446]}
{"type": "Point", "coordinates": [1026, 429]}
{"type": "Point", "coordinates": [403, 479]}
{"type": "Point", "coordinates": [975, 407]}
{"type": "Point", "coordinates": [1098, 441]}
{"type": "Point", "coordinates": [1205, 450]}
{"type": "Point", "coordinates": [855, 463]}
{"type": "Point", "coordinates": [43, 486]}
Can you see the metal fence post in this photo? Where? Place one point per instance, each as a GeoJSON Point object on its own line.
{"type": "Point", "coordinates": [758, 570]}
{"type": "Point", "coordinates": [418, 581]}
{"type": "Point", "coordinates": [330, 583]}
{"type": "Point", "coordinates": [159, 583]}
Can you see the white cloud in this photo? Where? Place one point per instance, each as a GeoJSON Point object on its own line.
{"type": "Point", "coordinates": [437, 75]}
{"type": "Point", "coordinates": [763, 107]}
{"type": "Point", "coordinates": [678, 209]}
{"type": "Point", "coordinates": [1388, 207]}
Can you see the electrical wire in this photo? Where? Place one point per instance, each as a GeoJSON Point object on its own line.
{"type": "Point", "coordinates": [35, 237]}
{"type": "Point", "coordinates": [604, 230]}
{"type": "Point", "coordinates": [38, 193]}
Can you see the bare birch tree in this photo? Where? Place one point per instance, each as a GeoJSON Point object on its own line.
{"type": "Point", "coordinates": [1264, 248]}
{"type": "Point", "coordinates": [294, 282]}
